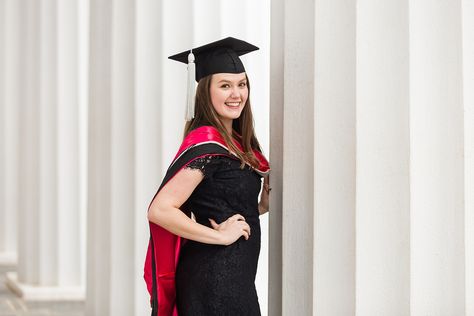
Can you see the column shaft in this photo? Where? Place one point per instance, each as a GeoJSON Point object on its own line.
{"type": "Point", "coordinates": [207, 21]}
{"type": "Point", "coordinates": [122, 170]}
{"type": "Point", "coordinates": [2, 129]}
{"type": "Point", "coordinates": [298, 159]}
{"type": "Point", "coordinates": [49, 264]}
{"type": "Point", "coordinates": [48, 133]}
{"type": "Point", "coordinates": [436, 159]}
{"type": "Point", "coordinates": [468, 100]}
{"type": "Point", "coordinates": [10, 127]}
{"type": "Point", "coordinates": [68, 154]}
{"type": "Point", "coordinates": [335, 158]}
{"type": "Point", "coordinates": [99, 258]}
{"type": "Point", "coordinates": [177, 35]}
{"type": "Point", "coordinates": [383, 183]}
{"type": "Point", "coordinates": [149, 59]}
{"type": "Point", "coordinates": [28, 213]}
{"type": "Point", "coordinates": [275, 220]}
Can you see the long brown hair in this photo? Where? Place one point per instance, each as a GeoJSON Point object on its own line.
{"type": "Point", "coordinates": [205, 114]}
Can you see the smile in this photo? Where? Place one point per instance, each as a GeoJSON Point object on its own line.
{"type": "Point", "coordinates": [232, 104]}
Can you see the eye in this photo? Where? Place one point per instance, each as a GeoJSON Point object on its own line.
{"type": "Point", "coordinates": [225, 85]}
{"type": "Point", "coordinates": [243, 84]}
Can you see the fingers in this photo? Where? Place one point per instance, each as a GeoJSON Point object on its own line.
{"type": "Point", "coordinates": [266, 179]}
{"type": "Point", "coordinates": [246, 233]}
{"type": "Point", "coordinates": [213, 223]}
{"type": "Point", "coordinates": [235, 226]}
{"type": "Point", "coordinates": [236, 217]}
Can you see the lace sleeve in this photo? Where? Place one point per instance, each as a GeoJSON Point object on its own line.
{"type": "Point", "coordinates": [206, 164]}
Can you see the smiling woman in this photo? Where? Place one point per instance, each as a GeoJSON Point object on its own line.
{"type": "Point", "coordinates": [229, 93]}
{"type": "Point", "coordinates": [207, 266]}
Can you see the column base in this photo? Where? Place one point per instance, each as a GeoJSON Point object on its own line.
{"type": "Point", "coordinates": [44, 293]}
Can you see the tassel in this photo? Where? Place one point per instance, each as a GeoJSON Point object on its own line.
{"type": "Point", "coordinates": [191, 87]}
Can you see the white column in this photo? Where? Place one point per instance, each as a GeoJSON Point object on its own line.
{"type": "Point", "coordinates": [99, 156]}
{"type": "Point", "coordinates": [2, 130]}
{"type": "Point", "coordinates": [49, 266]}
{"type": "Point", "coordinates": [207, 21]}
{"type": "Point", "coordinates": [298, 158]}
{"type": "Point", "coordinates": [149, 59]}
{"type": "Point", "coordinates": [10, 125]}
{"type": "Point", "coordinates": [276, 157]}
{"type": "Point", "coordinates": [177, 35]}
{"type": "Point", "coordinates": [160, 103]}
{"type": "Point", "coordinates": [436, 160]}
{"type": "Point", "coordinates": [383, 149]}
{"type": "Point", "coordinates": [122, 154]}
{"type": "Point", "coordinates": [111, 240]}
{"type": "Point", "coordinates": [468, 93]}
{"type": "Point", "coordinates": [28, 212]}
{"type": "Point", "coordinates": [334, 159]}
{"type": "Point", "coordinates": [68, 168]}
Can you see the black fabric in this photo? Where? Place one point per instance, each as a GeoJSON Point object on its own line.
{"type": "Point", "coordinates": [221, 56]}
{"type": "Point", "coordinates": [182, 160]}
{"type": "Point", "coordinates": [217, 279]}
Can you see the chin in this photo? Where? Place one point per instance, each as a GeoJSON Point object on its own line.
{"type": "Point", "coordinates": [234, 117]}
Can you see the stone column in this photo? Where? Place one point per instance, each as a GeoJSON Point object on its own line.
{"type": "Point", "coordinates": [28, 212]}
{"type": "Point", "coordinates": [3, 248]}
{"type": "Point", "coordinates": [149, 59]}
{"type": "Point", "coordinates": [49, 263]}
{"type": "Point", "coordinates": [383, 156]}
{"type": "Point", "coordinates": [468, 100]}
{"type": "Point", "coordinates": [11, 112]}
{"type": "Point", "coordinates": [312, 128]}
{"type": "Point", "coordinates": [334, 185]}
{"type": "Point", "coordinates": [298, 136]}
{"type": "Point", "coordinates": [110, 246]}
{"type": "Point", "coordinates": [436, 159]}
{"type": "Point", "coordinates": [160, 104]}
{"type": "Point", "coordinates": [277, 50]}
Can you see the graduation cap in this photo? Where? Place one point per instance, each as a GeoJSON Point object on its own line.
{"type": "Point", "coordinates": [217, 57]}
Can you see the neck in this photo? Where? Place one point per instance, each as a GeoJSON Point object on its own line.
{"type": "Point", "coordinates": [228, 126]}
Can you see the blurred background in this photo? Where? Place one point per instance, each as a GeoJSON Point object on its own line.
{"type": "Point", "coordinates": [92, 114]}
{"type": "Point", "coordinates": [365, 108]}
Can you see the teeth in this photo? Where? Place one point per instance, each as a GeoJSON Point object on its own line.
{"type": "Point", "coordinates": [233, 103]}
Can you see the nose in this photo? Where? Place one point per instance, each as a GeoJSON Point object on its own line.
{"type": "Point", "coordinates": [235, 93]}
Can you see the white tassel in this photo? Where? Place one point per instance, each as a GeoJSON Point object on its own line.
{"type": "Point", "coordinates": [191, 87]}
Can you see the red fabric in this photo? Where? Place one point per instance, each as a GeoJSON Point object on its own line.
{"type": "Point", "coordinates": [167, 245]}
{"type": "Point", "coordinates": [211, 134]}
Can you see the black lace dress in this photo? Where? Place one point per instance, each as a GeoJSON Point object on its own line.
{"type": "Point", "coordinates": [217, 279]}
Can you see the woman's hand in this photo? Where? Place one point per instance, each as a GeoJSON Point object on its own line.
{"type": "Point", "coordinates": [232, 228]}
{"type": "Point", "coordinates": [263, 205]}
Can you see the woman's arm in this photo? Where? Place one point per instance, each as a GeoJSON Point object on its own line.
{"type": "Point", "coordinates": [263, 204]}
{"type": "Point", "coordinates": [164, 211]}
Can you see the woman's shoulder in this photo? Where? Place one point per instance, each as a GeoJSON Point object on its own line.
{"type": "Point", "coordinates": [202, 135]}
{"type": "Point", "coordinates": [204, 131]}
{"type": "Point", "coordinates": [202, 141]}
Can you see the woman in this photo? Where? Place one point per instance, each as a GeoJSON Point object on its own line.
{"type": "Point", "coordinates": [215, 176]}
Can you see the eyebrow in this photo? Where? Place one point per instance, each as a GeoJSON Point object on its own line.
{"type": "Point", "coordinates": [225, 80]}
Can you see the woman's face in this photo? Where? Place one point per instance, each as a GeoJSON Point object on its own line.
{"type": "Point", "coordinates": [229, 93]}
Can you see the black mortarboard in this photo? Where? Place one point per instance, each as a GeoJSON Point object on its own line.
{"type": "Point", "coordinates": [217, 57]}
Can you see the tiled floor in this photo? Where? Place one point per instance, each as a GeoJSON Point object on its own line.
{"type": "Point", "coordinates": [11, 305]}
